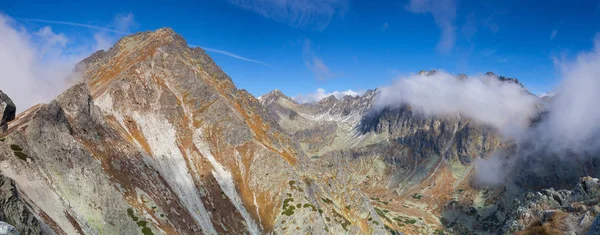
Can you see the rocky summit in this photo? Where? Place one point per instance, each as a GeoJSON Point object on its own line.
{"type": "Point", "coordinates": [156, 139]}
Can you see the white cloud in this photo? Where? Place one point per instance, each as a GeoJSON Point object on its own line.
{"type": "Point", "coordinates": [506, 106]}
{"type": "Point", "coordinates": [322, 93]}
{"type": "Point", "coordinates": [38, 65]}
{"type": "Point", "coordinates": [315, 14]}
{"type": "Point", "coordinates": [236, 56]}
{"type": "Point", "coordinates": [570, 129]}
{"type": "Point", "coordinates": [444, 14]}
{"type": "Point", "coordinates": [315, 63]}
{"type": "Point", "coordinates": [574, 118]}
{"type": "Point", "coordinates": [553, 34]}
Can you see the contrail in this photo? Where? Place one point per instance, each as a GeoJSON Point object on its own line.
{"type": "Point", "coordinates": [77, 24]}
{"type": "Point", "coordinates": [233, 55]}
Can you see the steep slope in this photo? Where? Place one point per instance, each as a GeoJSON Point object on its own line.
{"type": "Point", "coordinates": [159, 140]}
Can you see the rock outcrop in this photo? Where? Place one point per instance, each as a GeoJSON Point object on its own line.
{"type": "Point", "coordinates": [14, 211]}
{"type": "Point", "coordinates": [8, 110]}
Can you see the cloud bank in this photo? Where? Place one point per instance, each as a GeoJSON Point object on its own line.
{"type": "Point", "coordinates": [485, 99]}
{"type": "Point", "coordinates": [37, 65]}
{"type": "Point", "coordinates": [314, 14]}
{"type": "Point", "coordinates": [552, 141]}
{"type": "Point", "coordinates": [322, 93]}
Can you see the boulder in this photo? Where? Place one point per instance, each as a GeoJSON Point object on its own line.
{"type": "Point", "coordinates": [8, 109]}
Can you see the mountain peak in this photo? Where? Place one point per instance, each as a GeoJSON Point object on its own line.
{"type": "Point", "coordinates": [273, 96]}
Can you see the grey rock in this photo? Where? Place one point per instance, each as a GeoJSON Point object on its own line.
{"type": "Point", "coordinates": [8, 110]}
{"type": "Point", "coordinates": [7, 229]}
{"type": "Point", "coordinates": [14, 211]}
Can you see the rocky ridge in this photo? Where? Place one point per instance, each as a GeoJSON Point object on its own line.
{"type": "Point", "coordinates": [158, 140]}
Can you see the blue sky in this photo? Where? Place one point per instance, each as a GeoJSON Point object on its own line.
{"type": "Point", "coordinates": [337, 45]}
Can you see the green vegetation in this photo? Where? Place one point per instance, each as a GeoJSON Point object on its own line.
{"type": "Point", "coordinates": [345, 222]}
{"type": "Point", "coordinates": [2, 140]}
{"type": "Point", "coordinates": [18, 151]}
{"type": "Point", "coordinates": [320, 211]}
{"type": "Point", "coordinates": [294, 187]}
{"type": "Point", "coordinates": [379, 201]}
{"type": "Point", "coordinates": [439, 232]}
{"type": "Point", "coordinates": [142, 224]}
{"type": "Point", "coordinates": [382, 214]}
{"type": "Point", "coordinates": [417, 196]}
{"type": "Point", "coordinates": [410, 221]}
{"type": "Point", "coordinates": [312, 207]}
{"type": "Point", "coordinates": [289, 210]}
{"type": "Point", "coordinates": [147, 231]}
{"type": "Point", "coordinates": [327, 200]}
{"type": "Point", "coordinates": [131, 215]}
{"type": "Point", "coordinates": [348, 207]}
{"type": "Point", "coordinates": [15, 147]}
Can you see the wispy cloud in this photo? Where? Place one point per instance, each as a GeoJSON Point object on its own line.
{"type": "Point", "coordinates": [233, 55]}
{"type": "Point", "coordinates": [315, 63]}
{"type": "Point", "coordinates": [553, 34]}
{"type": "Point", "coordinates": [78, 25]}
{"type": "Point", "coordinates": [314, 14]}
{"type": "Point", "coordinates": [321, 93]}
{"type": "Point", "coordinates": [41, 61]}
{"type": "Point", "coordinates": [444, 14]}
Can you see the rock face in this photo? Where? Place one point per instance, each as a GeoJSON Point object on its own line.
{"type": "Point", "coordinates": [14, 211]}
{"type": "Point", "coordinates": [158, 140]}
{"type": "Point", "coordinates": [7, 229]}
{"type": "Point", "coordinates": [8, 110]}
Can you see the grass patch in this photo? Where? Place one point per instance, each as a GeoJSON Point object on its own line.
{"type": "Point", "coordinates": [417, 196]}
{"type": "Point", "coordinates": [15, 147]}
{"type": "Point", "coordinates": [131, 215]}
{"type": "Point", "coordinates": [327, 200]}
{"type": "Point", "coordinates": [312, 207]}
{"type": "Point", "coordinates": [289, 210]}
{"type": "Point", "coordinates": [382, 215]}
{"type": "Point", "coordinates": [21, 156]}
{"type": "Point", "coordinates": [140, 223]}
{"type": "Point", "coordinates": [18, 151]}
{"type": "Point", "coordinates": [147, 231]}
{"type": "Point", "coordinates": [439, 232]}
{"type": "Point", "coordinates": [344, 222]}
{"type": "Point", "coordinates": [410, 221]}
